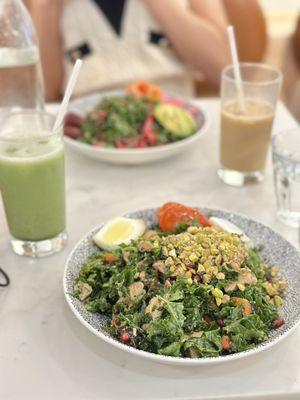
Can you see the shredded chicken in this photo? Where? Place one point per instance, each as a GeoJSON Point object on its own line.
{"type": "Point", "coordinates": [153, 308]}
{"type": "Point", "coordinates": [136, 289]}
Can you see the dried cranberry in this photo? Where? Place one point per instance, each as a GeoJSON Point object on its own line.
{"type": "Point", "coordinates": [220, 322]}
{"type": "Point", "coordinates": [207, 319]}
{"type": "Point", "coordinates": [278, 322]}
{"type": "Point", "coordinates": [125, 337]}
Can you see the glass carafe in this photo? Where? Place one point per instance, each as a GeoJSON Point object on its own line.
{"type": "Point", "coordinates": [21, 81]}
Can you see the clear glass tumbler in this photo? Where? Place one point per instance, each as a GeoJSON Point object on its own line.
{"type": "Point", "coordinates": [32, 182]}
{"type": "Point", "coordinates": [246, 131]}
{"type": "Point", "coordinates": [286, 166]}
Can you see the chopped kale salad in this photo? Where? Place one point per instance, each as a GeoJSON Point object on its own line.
{"type": "Point", "coordinates": [184, 288]}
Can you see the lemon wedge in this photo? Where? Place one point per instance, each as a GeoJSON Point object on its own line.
{"type": "Point", "coordinates": [119, 230]}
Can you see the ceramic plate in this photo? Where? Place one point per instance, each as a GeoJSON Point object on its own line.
{"type": "Point", "coordinates": [276, 250]}
{"type": "Point", "coordinates": [133, 156]}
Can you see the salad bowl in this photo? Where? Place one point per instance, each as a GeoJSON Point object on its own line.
{"type": "Point", "coordinates": [275, 250]}
{"type": "Point", "coordinates": [134, 156]}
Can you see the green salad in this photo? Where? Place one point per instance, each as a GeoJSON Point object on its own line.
{"type": "Point", "coordinates": [126, 122]}
{"type": "Point", "coordinates": [197, 292]}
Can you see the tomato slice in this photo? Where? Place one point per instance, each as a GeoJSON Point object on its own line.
{"type": "Point", "coordinates": [170, 214]}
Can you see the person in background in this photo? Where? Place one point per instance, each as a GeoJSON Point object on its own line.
{"type": "Point", "coordinates": [166, 42]}
{"type": "Point", "coordinates": [291, 71]}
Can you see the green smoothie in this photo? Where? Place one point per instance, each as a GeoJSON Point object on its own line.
{"type": "Point", "coordinates": [33, 188]}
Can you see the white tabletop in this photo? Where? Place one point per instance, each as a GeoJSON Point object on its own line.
{"type": "Point", "coordinates": [44, 351]}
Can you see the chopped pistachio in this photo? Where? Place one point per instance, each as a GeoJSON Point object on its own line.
{"type": "Point", "coordinates": [218, 260]}
{"type": "Point", "coordinates": [189, 281]}
{"type": "Point", "coordinates": [241, 286]}
{"type": "Point", "coordinates": [155, 244]}
{"type": "Point", "coordinates": [200, 268]}
{"type": "Point", "coordinates": [193, 257]}
{"type": "Point", "coordinates": [217, 293]}
{"type": "Point", "coordinates": [273, 271]}
{"type": "Point", "coordinates": [214, 251]}
{"type": "Point", "coordinates": [206, 278]}
{"type": "Point", "coordinates": [218, 301]}
{"type": "Point", "coordinates": [278, 301]}
{"type": "Point", "coordinates": [270, 289]}
{"type": "Point", "coordinates": [193, 230]}
{"type": "Point", "coordinates": [207, 264]}
{"type": "Point", "coordinates": [172, 253]}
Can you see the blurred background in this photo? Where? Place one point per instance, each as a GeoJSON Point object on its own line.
{"type": "Point", "coordinates": [279, 44]}
{"type": "Point", "coordinates": [283, 49]}
{"type": "Point", "coordinates": [267, 31]}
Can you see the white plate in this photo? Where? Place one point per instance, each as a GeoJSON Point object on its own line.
{"type": "Point", "coordinates": [132, 156]}
{"type": "Point", "coordinates": [276, 250]}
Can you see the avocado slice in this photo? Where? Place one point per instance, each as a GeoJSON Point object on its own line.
{"type": "Point", "coordinates": [178, 121]}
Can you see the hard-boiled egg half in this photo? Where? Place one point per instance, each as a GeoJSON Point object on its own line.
{"type": "Point", "coordinates": [228, 226]}
{"type": "Point", "coordinates": [119, 230]}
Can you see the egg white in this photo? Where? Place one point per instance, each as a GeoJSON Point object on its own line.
{"type": "Point", "coordinates": [228, 226]}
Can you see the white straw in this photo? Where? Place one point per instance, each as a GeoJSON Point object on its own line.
{"type": "Point", "coordinates": [236, 67]}
{"type": "Point", "coordinates": [68, 93]}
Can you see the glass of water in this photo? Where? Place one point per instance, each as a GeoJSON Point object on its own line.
{"type": "Point", "coordinates": [286, 165]}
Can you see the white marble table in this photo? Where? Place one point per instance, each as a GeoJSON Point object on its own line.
{"type": "Point", "coordinates": [44, 351]}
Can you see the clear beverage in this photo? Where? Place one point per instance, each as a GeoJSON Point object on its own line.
{"type": "Point", "coordinates": [286, 166]}
{"type": "Point", "coordinates": [20, 79]}
{"type": "Point", "coordinates": [32, 182]}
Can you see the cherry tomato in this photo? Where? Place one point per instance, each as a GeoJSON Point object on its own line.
{"type": "Point", "coordinates": [171, 214]}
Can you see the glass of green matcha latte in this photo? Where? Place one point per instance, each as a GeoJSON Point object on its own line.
{"type": "Point", "coordinates": [32, 182]}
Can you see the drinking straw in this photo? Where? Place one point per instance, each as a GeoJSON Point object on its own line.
{"type": "Point", "coordinates": [236, 67]}
{"type": "Point", "coordinates": [69, 90]}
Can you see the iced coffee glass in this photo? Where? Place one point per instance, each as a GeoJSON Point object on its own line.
{"type": "Point", "coordinates": [246, 128]}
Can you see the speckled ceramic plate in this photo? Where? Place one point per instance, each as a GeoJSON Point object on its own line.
{"type": "Point", "coordinates": [134, 156]}
{"type": "Point", "coordinates": [276, 251]}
